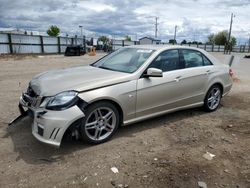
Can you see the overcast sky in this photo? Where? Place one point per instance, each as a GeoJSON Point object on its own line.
{"type": "Point", "coordinates": [195, 19]}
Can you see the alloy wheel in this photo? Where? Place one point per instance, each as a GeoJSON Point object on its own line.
{"type": "Point", "coordinates": [213, 99]}
{"type": "Point", "coordinates": [100, 123]}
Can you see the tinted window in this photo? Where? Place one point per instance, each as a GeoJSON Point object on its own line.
{"type": "Point", "coordinates": [166, 61]}
{"type": "Point", "coordinates": [192, 58]}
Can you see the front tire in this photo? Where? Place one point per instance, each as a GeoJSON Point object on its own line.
{"type": "Point", "coordinates": [100, 123]}
{"type": "Point", "coordinates": [213, 98]}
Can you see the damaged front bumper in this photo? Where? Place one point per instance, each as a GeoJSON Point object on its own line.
{"type": "Point", "coordinates": [49, 126]}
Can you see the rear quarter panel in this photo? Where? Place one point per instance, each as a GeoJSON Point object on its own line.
{"type": "Point", "coordinates": [220, 74]}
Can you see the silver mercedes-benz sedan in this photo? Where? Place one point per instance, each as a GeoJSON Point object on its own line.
{"type": "Point", "coordinates": [129, 85]}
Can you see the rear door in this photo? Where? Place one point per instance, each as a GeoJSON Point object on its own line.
{"type": "Point", "coordinates": [194, 76]}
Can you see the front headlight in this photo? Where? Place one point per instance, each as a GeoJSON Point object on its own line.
{"type": "Point", "coordinates": [62, 100]}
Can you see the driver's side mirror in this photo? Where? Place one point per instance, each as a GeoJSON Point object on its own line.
{"type": "Point", "coordinates": [153, 72]}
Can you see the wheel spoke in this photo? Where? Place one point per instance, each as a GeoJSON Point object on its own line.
{"type": "Point", "coordinates": [213, 104]}
{"type": "Point", "coordinates": [108, 116]}
{"type": "Point", "coordinates": [98, 133]}
{"type": "Point", "coordinates": [99, 113]}
{"type": "Point", "coordinates": [91, 125]}
{"type": "Point", "coordinates": [109, 127]}
{"type": "Point", "coordinates": [210, 99]}
{"type": "Point", "coordinates": [217, 93]}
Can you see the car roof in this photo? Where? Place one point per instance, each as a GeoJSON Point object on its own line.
{"type": "Point", "coordinates": [162, 47]}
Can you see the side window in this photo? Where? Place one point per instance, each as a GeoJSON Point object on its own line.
{"type": "Point", "coordinates": [166, 61]}
{"type": "Point", "coordinates": [206, 61]}
{"type": "Point", "coordinates": [192, 58]}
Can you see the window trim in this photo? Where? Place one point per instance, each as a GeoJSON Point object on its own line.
{"type": "Point", "coordinates": [178, 66]}
{"type": "Point", "coordinates": [205, 57]}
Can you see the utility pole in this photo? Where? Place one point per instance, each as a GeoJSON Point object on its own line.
{"type": "Point", "coordinates": [230, 30]}
{"type": "Point", "coordinates": [156, 26]}
{"type": "Point", "coordinates": [175, 29]}
{"type": "Point", "coordinates": [80, 26]}
{"type": "Point", "coordinates": [249, 41]}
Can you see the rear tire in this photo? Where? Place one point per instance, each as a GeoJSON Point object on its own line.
{"type": "Point", "coordinates": [213, 98]}
{"type": "Point", "coordinates": [100, 123]}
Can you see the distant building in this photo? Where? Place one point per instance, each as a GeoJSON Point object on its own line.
{"type": "Point", "coordinates": [19, 31]}
{"type": "Point", "coordinates": [149, 40]}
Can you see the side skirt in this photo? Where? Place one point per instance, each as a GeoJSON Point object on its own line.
{"type": "Point", "coordinates": [131, 121]}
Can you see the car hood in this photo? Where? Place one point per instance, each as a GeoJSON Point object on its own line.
{"type": "Point", "coordinates": [79, 78]}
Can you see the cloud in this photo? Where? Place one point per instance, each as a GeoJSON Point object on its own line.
{"type": "Point", "coordinates": [195, 19]}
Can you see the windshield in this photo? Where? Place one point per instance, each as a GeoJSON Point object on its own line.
{"type": "Point", "coordinates": [124, 60]}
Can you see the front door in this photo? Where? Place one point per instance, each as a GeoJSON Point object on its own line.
{"type": "Point", "coordinates": [156, 94]}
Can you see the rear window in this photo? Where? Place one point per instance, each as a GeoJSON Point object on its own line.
{"type": "Point", "coordinates": [193, 58]}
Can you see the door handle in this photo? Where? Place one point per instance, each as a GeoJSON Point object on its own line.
{"type": "Point", "coordinates": [208, 72]}
{"type": "Point", "coordinates": [177, 79]}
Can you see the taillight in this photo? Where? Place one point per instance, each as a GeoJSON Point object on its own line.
{"type": "Point", "coordinates": [231, 72]}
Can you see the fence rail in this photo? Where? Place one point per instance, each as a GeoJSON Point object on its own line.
{"type": "Point", "coordinates": [21, 44]}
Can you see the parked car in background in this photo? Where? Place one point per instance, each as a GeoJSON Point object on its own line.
{"type": "Point", "coordinates": [129, 85]}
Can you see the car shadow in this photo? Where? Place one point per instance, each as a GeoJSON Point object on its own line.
{"type": "Point", "coordinates": [34, 152]}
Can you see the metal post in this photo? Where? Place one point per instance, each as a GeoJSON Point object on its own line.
{"type": "Point", "coordinates": [10, 43]}
{"type": "Point", "coordinates": [41, 42]}
{"type": "Point", "coordinates": [80, 26]}
{"type": "Point", "coordinates": [59, 45]}
{"type": "Point", "coordinates": [67, 39]}
{"type": "Point", "coordinates": [231, 60]}
{"type": "Point", "coordinates": [122, 42]}
{"type": "Point", "coordinates": [84, 44]}
{"type": "Point", "coordinates": [249, 44]}
{"type": "Point", "coordinates": [75, 39]}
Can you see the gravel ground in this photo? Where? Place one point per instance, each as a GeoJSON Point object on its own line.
{"type": "Point", "coordinates": [162, 152]}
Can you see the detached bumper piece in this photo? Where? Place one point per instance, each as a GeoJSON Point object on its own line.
{"type": "Point", "coordinates": [23, 114]}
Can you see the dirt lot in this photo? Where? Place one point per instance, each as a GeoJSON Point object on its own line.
{"type": "Point", "coordinates": [163, 152]}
